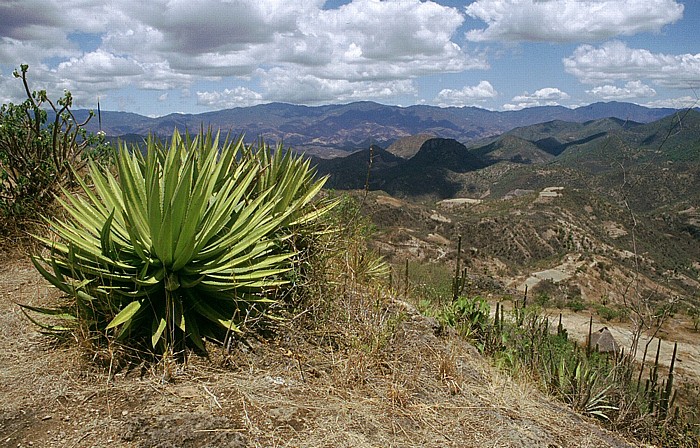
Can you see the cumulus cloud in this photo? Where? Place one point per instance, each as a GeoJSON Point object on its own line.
{"type": "Point", "coordinates": [378, 47]}
{"type": "Point", "coordinates": [10, 88]}
{"type": "Point", "coordinates": [99, 67]}
{"type": "Point", "coordinates": [632, 89]}
{"type": "Point", "coordinates": [467, 96]}
{"type": "Point", "coordinates": [549, 96]}
{"type": "Point", "coordinates": [365, 38]}
{"type": "Point", "coordinates": [229, 98]}
{"type": "Point", "coordinates": [284, 85]}
{"type": "Point", "coordinates": [616, 61]}
{"type": "Point", "coordinates": [34, 30]}
{"type": "Point", "coordinates": [569, 20]}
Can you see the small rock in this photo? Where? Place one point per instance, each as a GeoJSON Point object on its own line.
{"type": "Point", "coordinates": [46, 417]}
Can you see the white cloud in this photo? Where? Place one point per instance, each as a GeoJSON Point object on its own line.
{"type": "Point", "coordinates": [467, 96]}
{"type": "Point", "coordinates": [675, 103]}
{"type": "Point", "coordinates": [376, 47]}
{"type": "Point", "coordinates": [365, 39]}
{"type": "Point", "coordinates": [34, 30]}
{"type": "Point", "coordinates": [10, 88]}
{"type": "Point", "coordinates": [96, 73]}
{"type": "Point", "coordinates": [229, 98]}
{"type": "Point", "coordinates": [615, 61]}
{"type": "Point", "coordinates": [284, 85]}
{"type": "Point", "coordinates": [549, 96]}
{"type": "Point", "coordinates": [99, 67]}
{"type": "Point", "coordinates": [569, 20]}
{"type": "Point", "coordinates": [632, 89]}
{"type": "Point", "coordinates": [15, 52]}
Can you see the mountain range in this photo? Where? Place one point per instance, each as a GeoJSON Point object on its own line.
{"type": "Point", "coordinates": [594, 154]}
{"type": "Point", "coordinates": [595, 206]}
{"type": "Point", "coordinates": [330, 130]}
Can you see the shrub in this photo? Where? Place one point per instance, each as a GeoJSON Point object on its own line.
{"type": "Point", "coordinates": [186, 243]}
{"type": "Point", "coordinates": [576, 304]}
{"type": "Point", "coordinates": [35, 157]}
{"type": "Point", "coordinates": [694, 313]}
{"type": "Point", "coordinates": [470, 316]}
{"type": "Point", "coordinates": [543, 299]}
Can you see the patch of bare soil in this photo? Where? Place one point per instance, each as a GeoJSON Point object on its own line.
{"type": "Point", "coordinates": [346, 384]}
{"type": "Point", "coordinates": [677, 330]}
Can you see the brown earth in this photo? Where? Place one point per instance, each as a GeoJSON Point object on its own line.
{"type": "Point", "coordinates": [678, 329]}
{"type": "Point", "coordinates": [382, 377]}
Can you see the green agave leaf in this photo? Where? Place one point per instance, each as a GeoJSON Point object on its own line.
{"type": "Point", "coordinates": [106, 243]}
{"type": "Point", "coordinates": [63, 313]}
{"type": "Point", "coordinates": [190, 281]}
{"type": "Point", "coordinates": [52, 329]}
{"type": "Point", "coordinates": [194, 334]}
{"type": "Point", "coordinates": [213, 315]}
{"type": "Point", "coordinates": [125, 314]}
{"type": "Point", "coordinates": [158, 331]}
{"type": "Point", "coordinates": [52, 278]}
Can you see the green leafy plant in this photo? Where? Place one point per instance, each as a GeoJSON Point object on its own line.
{"type": "Point", "coordinates": [38, 155]}
{"type": "Point", "coordinates": [469, 316]}
{"type": "Point", "coordinates": [694, 313]}
{"type": "Point", "coordinates": [576, 304]}
{"type": "Point", "coordinates": [187, 242]}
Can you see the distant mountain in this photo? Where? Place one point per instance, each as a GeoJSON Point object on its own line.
{"type": "Point", "coordinates": [537, 143]}
{"type": "Point", "coordinates": [324, 130]}
{"type": "Point", "coordinates": [407, 147]}
{"type": "Point", "coordinates": [651, 164]}
{"type": "Point", "coordinates": [650, 167]}
{"type": "Point", "coordinates": [602, 201]}
{"type": "Point", "coordinates": [350, 172]}
{"type": "Point", "coordinates": [428, 172]}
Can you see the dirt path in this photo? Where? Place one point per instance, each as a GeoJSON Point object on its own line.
{"type": "Point", "coordinates": [688, 355]}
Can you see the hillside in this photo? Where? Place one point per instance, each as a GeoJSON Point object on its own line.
{"type": "Point", "coordinates": [407, 147]}
{"type": "Point", "coordinates": [617, 199]}
{"type": "Point", "coordinates": [591, 219]}
{"type": "Point", "coordinates": [381, 375]}
{"type": "Point", "coordinates": [656, 162]}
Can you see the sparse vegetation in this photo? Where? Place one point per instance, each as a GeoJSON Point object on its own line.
{"type": "Point", "coordinates": [602, 385]}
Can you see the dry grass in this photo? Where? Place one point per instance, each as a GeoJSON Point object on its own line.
{"type": "Point", "coordinates": [361, 370]}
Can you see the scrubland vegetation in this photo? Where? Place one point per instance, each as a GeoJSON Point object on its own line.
{"type": "Point", "coordinates": [199, 257]}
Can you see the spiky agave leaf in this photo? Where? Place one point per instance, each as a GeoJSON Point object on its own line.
{"type": "Point", "coordinates": [185, 242]}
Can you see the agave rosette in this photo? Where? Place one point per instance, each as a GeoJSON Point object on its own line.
{"type": "Point", "coordinates": [185, 242]}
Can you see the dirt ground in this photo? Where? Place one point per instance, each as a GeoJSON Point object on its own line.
{"type": "Point", "coordinates": [416, 389]}
{"type": "Point", "coordinates": [678, 329]}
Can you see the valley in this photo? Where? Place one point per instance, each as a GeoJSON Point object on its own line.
{"type": "Point", "coordinates": [596, 219]}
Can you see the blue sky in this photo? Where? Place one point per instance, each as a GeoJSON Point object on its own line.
{"type": "Point", "coordinates": [161, 56]}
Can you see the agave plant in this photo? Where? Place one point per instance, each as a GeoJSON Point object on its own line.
{"type": "Point", "coordinates": [186, 242]}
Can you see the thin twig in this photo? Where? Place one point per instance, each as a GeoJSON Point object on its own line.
{"type": "Point", "coordinates": [212, 396]}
